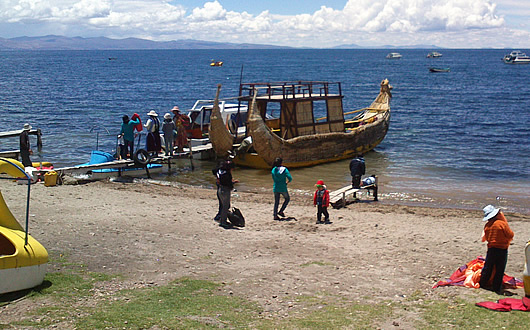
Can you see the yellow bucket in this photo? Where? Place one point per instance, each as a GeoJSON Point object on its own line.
{"type": "Point", "coordinates": [50, 179]}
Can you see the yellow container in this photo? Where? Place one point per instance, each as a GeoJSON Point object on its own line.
{"type": "Point", "coordinates": [50, 179]}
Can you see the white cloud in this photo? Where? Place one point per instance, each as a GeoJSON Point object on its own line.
{"type": "Point", "coordinates": [360, 21]}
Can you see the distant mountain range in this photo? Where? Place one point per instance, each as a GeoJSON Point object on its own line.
{"type": "Point", "coordinates": [53, 42]}
{"type": "Point", "coordinates": [354, 46]}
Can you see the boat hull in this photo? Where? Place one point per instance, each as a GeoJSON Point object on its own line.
{"type": "Point", "coordinates": [306, 151]}
{"type": "Point", "coordinates": [21, 278]}
{"type": "Point", "coordinates": [21, 266]}
{"type": "Point", "coordinates": [133, 172]}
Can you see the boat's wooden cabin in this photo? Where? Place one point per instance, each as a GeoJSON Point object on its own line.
{"type": "Point", "coordinates": [294, 105]}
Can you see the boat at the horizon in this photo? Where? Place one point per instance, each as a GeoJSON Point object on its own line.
{"type": "Point", "coordinates": [295, 134]}
{"type": "Point", "coordinates": [440, 69]}
{"type": "Point", "coordinates": [216, 63]}
{"type": "Point", "coordinates": [516, 57]}
{"type": "Point", "coordinates": [434, 55]}
{"type": "Point", "coordinates": [394, 56]}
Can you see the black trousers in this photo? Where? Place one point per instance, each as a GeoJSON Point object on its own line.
{"type": "Point", "coordinates": [495, 265]}
{"type": "Point", "coordinates": [322, 210]}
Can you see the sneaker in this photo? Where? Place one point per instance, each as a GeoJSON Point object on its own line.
{"type": "Point", "coordinates": [277, 218]}
{"type": "Point", "coordinates": [225, 225]}
{"type": "Point", "coordinates": [281, 214]}
{"type": "Point", "coordinates": [327, 222]}
{"type": "Point", "coordinates": [319, 222]}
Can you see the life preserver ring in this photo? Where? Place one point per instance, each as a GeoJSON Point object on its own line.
{"type": "Point", "coordinates": [232, 126]}
{"type": "Point", "coordinates": [141, 158]}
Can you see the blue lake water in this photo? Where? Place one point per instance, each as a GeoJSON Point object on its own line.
{"type": "Point", "coordinates": [457, 139]}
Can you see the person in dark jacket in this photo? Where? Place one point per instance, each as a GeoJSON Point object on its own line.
{"type": "Point", "coordinates": [225, 184]}
{"type": "Point", "coordinates": [357, 170]}
{"type": "Point", "coordinates": [25, 148]}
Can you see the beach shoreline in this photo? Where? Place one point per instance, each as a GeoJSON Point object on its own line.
{"type": "Point", "coordinates": [152, 233]}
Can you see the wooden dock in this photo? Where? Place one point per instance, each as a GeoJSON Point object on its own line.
{"type": "Point", "coordinates": [197, 152]}
{"type": "Point", "coordinates": [339, 198]}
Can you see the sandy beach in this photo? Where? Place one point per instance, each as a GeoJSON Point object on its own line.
{"type": "Point", "coordinates": [153, 233]}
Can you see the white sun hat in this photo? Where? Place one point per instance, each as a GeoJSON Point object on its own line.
{"type": "Point", "coordinates": [490, 212]}
{"type": "Point", "coordinates": [152, 113]}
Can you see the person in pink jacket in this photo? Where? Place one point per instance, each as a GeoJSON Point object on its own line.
{"type": "Point", "coordinates": [321, 201]}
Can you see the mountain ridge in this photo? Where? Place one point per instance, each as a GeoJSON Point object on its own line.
{"type": "Point", "coordinates": [57, 42]}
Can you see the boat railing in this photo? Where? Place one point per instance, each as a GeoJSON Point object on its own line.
{"type": "Point", "coordinates": [290, 90]}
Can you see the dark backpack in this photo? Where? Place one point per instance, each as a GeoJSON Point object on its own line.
{"type": "Point", "coordinates": [236, 217]}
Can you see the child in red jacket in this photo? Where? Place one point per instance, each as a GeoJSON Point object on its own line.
{"type": "Point", "coordinates": [321, 201]}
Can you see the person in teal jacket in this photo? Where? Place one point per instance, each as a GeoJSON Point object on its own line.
{"type": "Point", "coordinates": [127, 132]}
{"type": "Point", "coordinates": [281, 177]}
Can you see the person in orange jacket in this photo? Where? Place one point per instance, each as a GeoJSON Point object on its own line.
{"type": "Point", "coordinates": [321, 201]}
{"type": "Point", "coordinates": [498, 235]}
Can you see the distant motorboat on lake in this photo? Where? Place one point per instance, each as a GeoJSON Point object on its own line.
{"type": "Point", "coordinates": [394, 56]}
{"type": "Point", "coordinates": [516, 57]}
{"type": "Point", "coordinates": [434, 55]}
{"type": "Point", "coordinates": [440, 69]}
{"type": "Point", "coordinates": [216, 63]}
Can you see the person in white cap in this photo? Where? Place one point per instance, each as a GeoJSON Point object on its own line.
{"type": "Point", "coordinates": [498, 235]}
{"type": "Point", "coordinates": [25, 148]}
{"type": "Point", "coordinates": [153, 136]}
{"type": "Point", "coordinates": [168, 128]}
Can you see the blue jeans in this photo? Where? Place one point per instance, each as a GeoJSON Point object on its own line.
{"type": "Point", "coordinates": [286, 198]}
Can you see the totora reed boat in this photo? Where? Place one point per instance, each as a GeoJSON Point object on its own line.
{"type": "Point", "coordinates": [294, 133]}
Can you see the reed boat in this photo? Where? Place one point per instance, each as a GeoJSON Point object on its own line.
{"type": "Point", "coordinates": [23, 259]}
{"type": "Point", "coordinates": [295, 134]}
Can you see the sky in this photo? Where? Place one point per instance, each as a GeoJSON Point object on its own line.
{"type": "Point", "coordinates": [295, 23]}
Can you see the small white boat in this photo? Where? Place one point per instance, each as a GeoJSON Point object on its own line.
{"type": "Point", "coordinates": [234, 116]}
{"type": "Point", "coordinates": [516, 57]}
{"type": "Point", "coordinates": [23, 260]}
{"type": "Point", "coordinates": [434, 55]}
{"type": "Point", "coordinates": [394, 56]}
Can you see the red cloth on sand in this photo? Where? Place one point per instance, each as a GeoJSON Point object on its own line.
{"type": "Point", "coordinates": [468, 275]}
{"type": "Point", "coordinates": [507, 304]}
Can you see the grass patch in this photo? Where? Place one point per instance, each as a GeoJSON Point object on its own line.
{"type": "Point", "coordinates": [75, 298]}
{"type": "Point", "coordinates": [354, 316]}
{"type": "Point", "coordinates": [184, 303]}
{"type": "Point", "coordinates": [462, 314]}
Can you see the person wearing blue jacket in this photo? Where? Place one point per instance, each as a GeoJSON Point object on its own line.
{"type": "Point", "coordinates": [281, 177]}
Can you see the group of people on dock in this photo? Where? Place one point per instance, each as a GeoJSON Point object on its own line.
{"type": "Point", "coordinates": [174, 128]}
